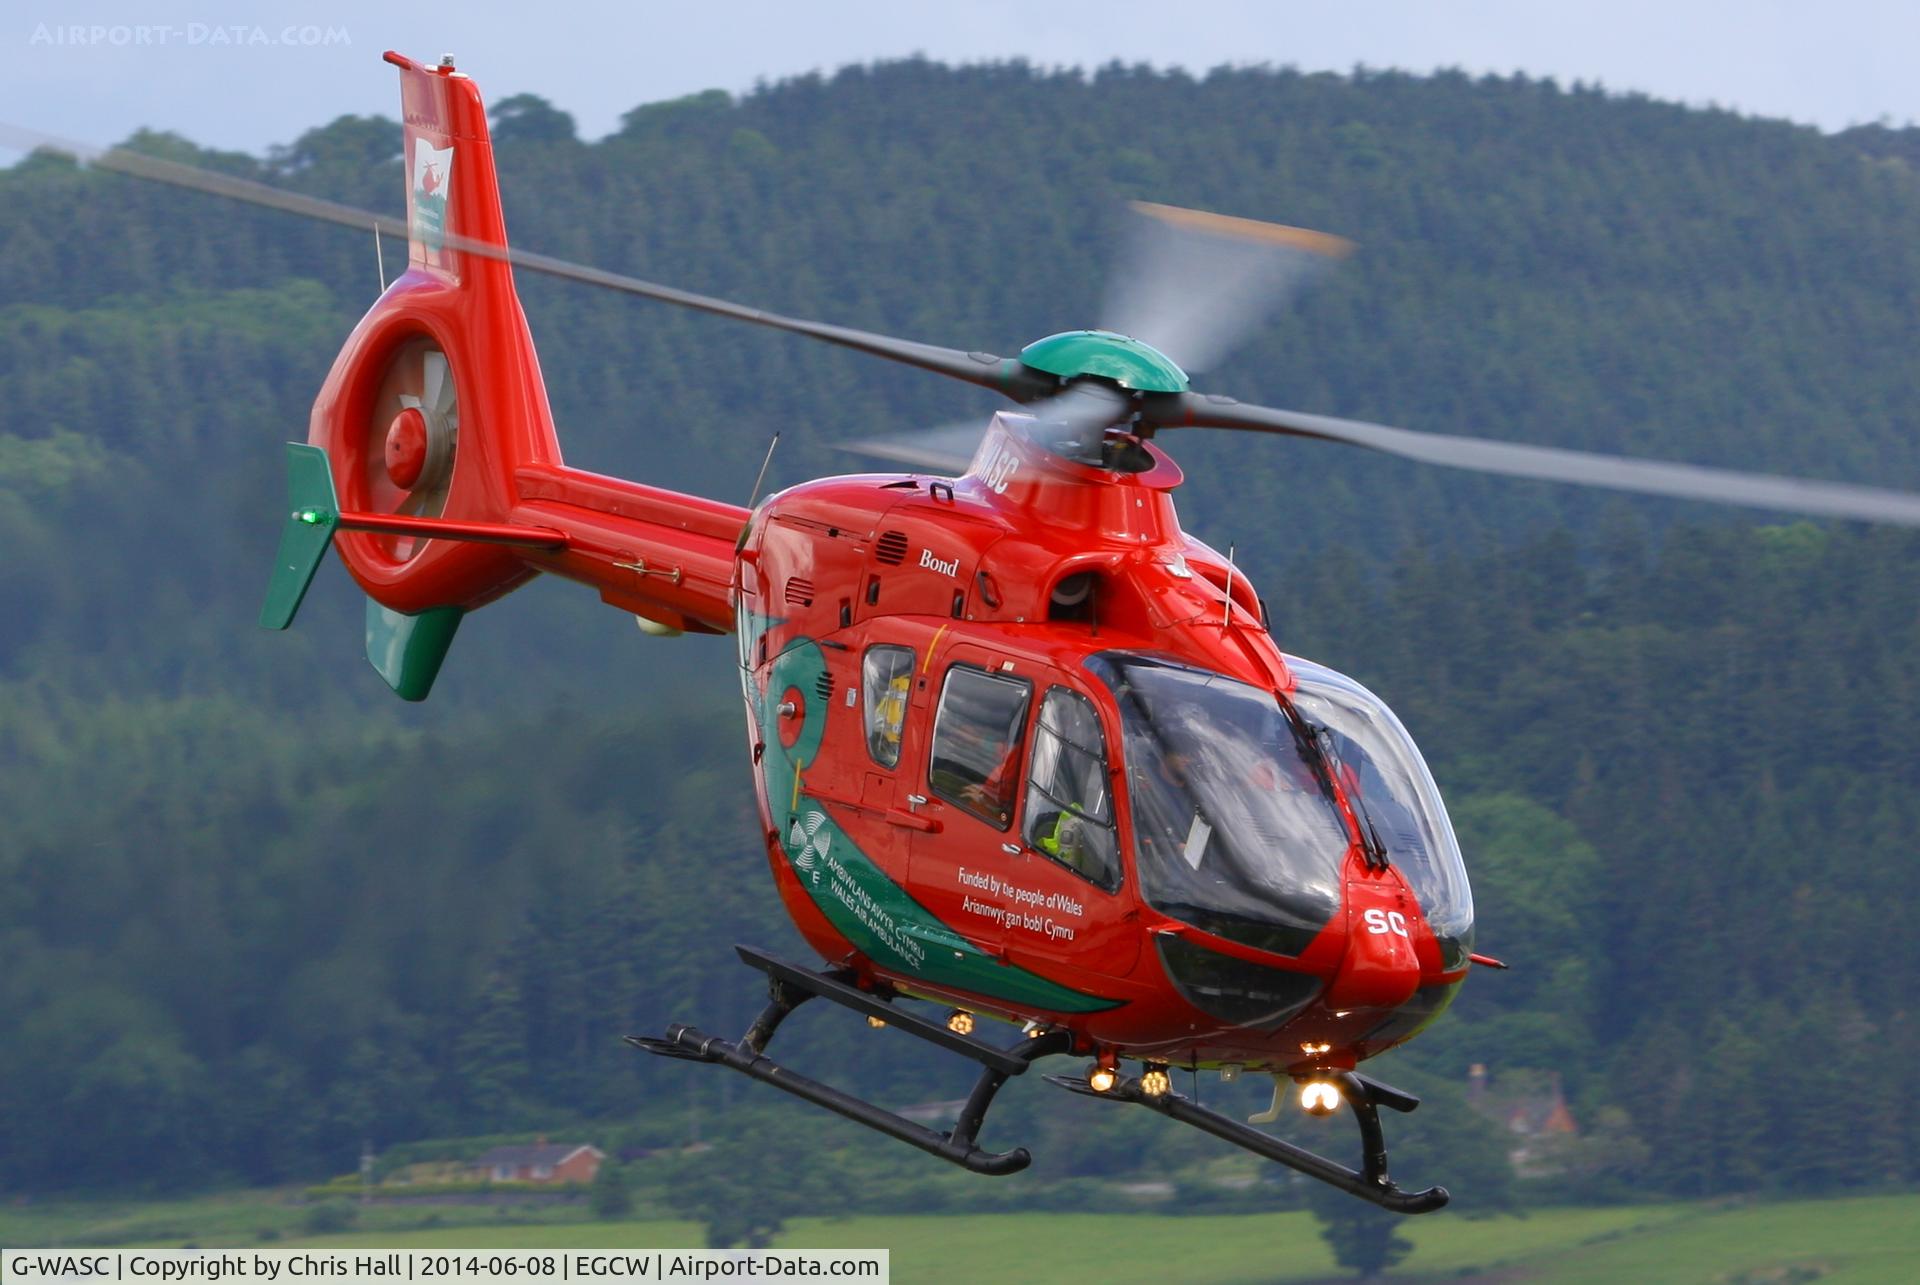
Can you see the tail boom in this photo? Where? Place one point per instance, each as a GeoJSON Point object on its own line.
{"type": "Point", "coordinates": [432, 464]}
{"type": "Point", "coordinates": [659, 554]}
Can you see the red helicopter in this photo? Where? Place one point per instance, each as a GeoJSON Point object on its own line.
{"type": "Point", "coordinates": [1022, 746]}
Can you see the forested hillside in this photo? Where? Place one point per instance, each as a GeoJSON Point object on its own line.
{"type": "Point", "coordinates": [252, 911]}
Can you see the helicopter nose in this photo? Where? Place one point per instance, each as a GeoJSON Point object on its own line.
{"type": "Point", "coordinates": [1380, 969]}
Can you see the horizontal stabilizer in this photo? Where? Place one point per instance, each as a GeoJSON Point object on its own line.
{"type": "Point", "coordinates": [315, 515]}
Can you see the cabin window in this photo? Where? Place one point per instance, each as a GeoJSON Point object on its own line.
{"type": "Point", "coordinates": [976, 742]}
{"type": "Point", "coordinates": [1069, 794]}
{"type": "Point", "coordinates": [886, 675]}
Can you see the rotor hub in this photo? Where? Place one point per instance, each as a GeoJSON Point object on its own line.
{"type": "Point", "coordinates": [408, 438]}
{"type": "Point", "coordinates": [1135, 366]}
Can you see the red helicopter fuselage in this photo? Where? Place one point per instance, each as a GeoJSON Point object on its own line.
{"type": "Point", "coordinates": [957, 888]}
{"type": "Point", "coordinates": [1021, 745]}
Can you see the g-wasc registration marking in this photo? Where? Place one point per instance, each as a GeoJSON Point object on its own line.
{"type": "Point", "coordinates": [1001, 464]}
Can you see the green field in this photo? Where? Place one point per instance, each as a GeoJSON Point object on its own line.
{"type": "Point", "coordinates": [1847, 1242]}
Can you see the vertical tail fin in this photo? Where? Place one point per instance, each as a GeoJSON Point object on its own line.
{"type": "Point", "coordinates": [451, 186]}
{"type": "Point", "coordinates": [436, 400]}
{"type": "Point", "coordinates": [433, 426]}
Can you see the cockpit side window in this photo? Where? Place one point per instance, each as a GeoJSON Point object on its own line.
{"type": "Point", "coordinates": [1069, 795]}
{"type": "Point", "coordinates": [886, 677]}
{"type": "Point", "coordinates": [976, 742]}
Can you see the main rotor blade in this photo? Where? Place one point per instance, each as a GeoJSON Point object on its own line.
{"type": "Point", "coordinates": [1003, 375]}
{"type": "Point", "coordinates": [946, 451]}
{"type": "Point", "coordinates": [1194, 285]}
{"type": "Point", "coordinates": [1072, 423]}
{"type": "Point", "coordinates": [1552, 464]}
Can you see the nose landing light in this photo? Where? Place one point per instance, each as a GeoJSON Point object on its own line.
{"type": "Point", "coordinates": [1319, 1097]}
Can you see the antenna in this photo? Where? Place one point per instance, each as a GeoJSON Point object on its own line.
{"type": "Point", "coordinates": [1227, 618]}
{"type": "Point", "coordinates": [762, 475]}
{"type": "Point", "coordinates": [380, 258]}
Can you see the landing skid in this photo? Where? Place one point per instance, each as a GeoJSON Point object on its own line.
{"type": "Point", "coordinates": [789, 986]}
{"type": "Point", "coordinates": [1364, 1095]}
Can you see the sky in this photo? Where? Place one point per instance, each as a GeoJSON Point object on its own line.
{"type": "Point", "coordinates": [248, 76]}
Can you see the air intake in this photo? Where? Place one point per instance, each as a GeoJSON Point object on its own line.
{"type": "Point", "coordinates": [891, 550]}
{"type": "Point", "coordinates": [799, 592]}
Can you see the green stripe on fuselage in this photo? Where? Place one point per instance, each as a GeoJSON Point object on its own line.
{"type": "Point", "coordinates": [858, 898]}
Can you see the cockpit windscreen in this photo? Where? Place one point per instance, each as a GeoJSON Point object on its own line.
{"type": "Point", "coordinates": [1234, 831]}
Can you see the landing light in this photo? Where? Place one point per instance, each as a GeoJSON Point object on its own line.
{"type": "Point", "coordinates": [1156, 1082]}
{"type": "Point", "coordinates": [876, 1022]}
{"type": "Point", "coordinates": [1102, 1079]}
{"type": "Point", "coordinates": [960, 1022]}
{"type": "Point", "coordinates": [1317, 1097]}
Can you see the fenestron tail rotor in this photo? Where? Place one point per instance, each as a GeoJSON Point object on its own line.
{"type": "Point", "coordinates": [1192, 285]}
{"type": "Point", "coordinates": [412, 436]}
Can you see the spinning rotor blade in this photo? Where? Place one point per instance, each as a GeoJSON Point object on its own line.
{"type": "Point", "coordinates": [1196, 316]}
{"type": "Point", "coordinates": [1551, 463]}
{"type": "Point", "coordinates": [946, 451]}
{"type": "Point", "coordinates": [1189, 283]}
{"type": "Point", "coordinates": [1003, 375]}
{"type": "Point", "coordinates": [1195, 284]}
{"type": "Point", "coordinates": [1072, 423]}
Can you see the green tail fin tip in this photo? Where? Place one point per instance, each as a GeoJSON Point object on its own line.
{"type": "Point", "coordinates": [407, 650]}
{"type": "Point", "coordinates": [314, 512]}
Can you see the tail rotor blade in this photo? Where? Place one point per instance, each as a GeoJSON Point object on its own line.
{"type": "Point", "coordinates": [437, 390]}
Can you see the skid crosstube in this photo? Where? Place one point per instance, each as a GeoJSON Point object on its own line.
{"type": "Point", "coordinates": [1364, 1095]}
{"type": "Point", "coordinates": [790, 986]}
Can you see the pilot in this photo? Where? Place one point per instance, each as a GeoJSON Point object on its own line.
{"type": "Point", "coordinates": [1078, 842]}
{"type": "Point", "coordinates": [1164, 807]}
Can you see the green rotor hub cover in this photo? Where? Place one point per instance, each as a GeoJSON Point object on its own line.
{"type": "Point", "coordinates": [1127, 362]}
